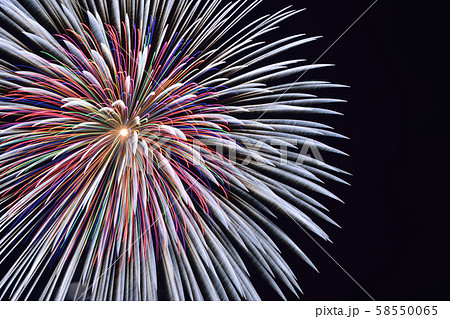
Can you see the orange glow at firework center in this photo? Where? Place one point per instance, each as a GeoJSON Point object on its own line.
{"type": "Point", "coordinates": [124, 132]}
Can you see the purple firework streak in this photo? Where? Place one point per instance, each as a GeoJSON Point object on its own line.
{"type": "Point", "coordinates": [149, 146]}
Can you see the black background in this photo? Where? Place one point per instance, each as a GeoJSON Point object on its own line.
{"type": "Point", "coordinates": [394, 240]}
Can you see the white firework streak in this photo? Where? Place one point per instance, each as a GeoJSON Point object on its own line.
{"type": "Point", "coordinates": [135, 158]}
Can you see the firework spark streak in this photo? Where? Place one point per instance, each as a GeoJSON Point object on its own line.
{"type": "Point", "coordinates": [134, 157]}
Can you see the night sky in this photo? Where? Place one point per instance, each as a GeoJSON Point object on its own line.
{"type": "Point", "coordinates": [394, 238]}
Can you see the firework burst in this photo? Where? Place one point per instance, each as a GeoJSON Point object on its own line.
{"type": "Point", "coordinates": [135, 156]}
